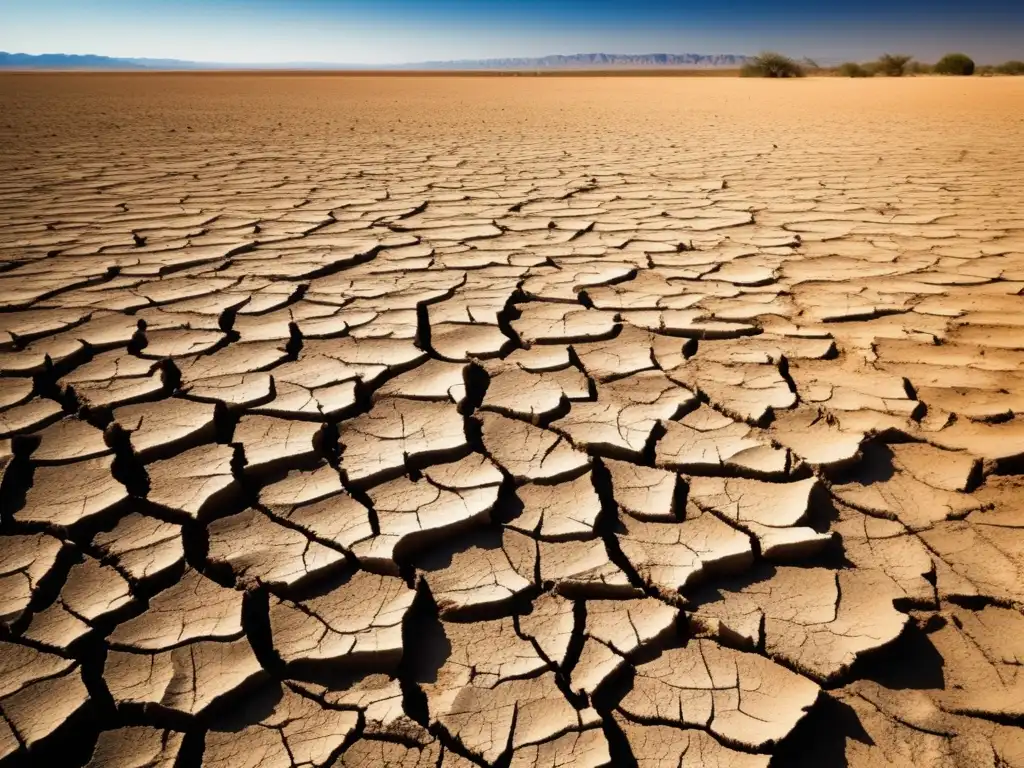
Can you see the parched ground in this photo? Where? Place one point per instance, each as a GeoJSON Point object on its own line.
{"type": "Point", "coordinates": [519, 422]}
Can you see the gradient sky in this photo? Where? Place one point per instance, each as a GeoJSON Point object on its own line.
{"type": "Point", "coordinates": [400, 31]}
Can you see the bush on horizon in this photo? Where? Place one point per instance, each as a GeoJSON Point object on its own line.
{"type": "Point", "coordinates": [893, 64]}
{"type": "Point", "coordinates": [771, 64]}
{"type": "Point", "coordinates": [853, 69]}
{"type": "Point", "coordinates": [955, 64]}
{"type": "Point", "coordinates": [1011, 68]}
{"type": "Point", "coordinates": [919, 68]}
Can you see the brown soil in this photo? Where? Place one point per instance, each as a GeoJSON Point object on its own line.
{"type": "Point", "coordinates": [511, 421]}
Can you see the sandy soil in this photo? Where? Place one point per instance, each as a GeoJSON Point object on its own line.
{"type": "Point", "coordinates": [520, 422]}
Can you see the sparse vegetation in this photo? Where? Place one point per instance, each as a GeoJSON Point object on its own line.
{"type": "Point", "coordinates": [853, 69]}
{"type": "Point", "coordinates": [919, 68]}
{"type": "Point", "coordinates": [893, 64]}
{"type": "Point", "coordinates": [1011, 68]}
{"type": "Point", "coordinates": [810, 65]}
{"type": "Point", "coordinates": [770, 64]}
{"type": "Point", "coordinates": [955, 64]}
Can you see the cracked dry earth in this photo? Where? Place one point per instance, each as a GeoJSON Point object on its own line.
{"type": "Point", "coordinates": [530, 423]}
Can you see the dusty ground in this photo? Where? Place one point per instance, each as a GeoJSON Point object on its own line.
{"type": "Point", "coordinates": [517, 422]}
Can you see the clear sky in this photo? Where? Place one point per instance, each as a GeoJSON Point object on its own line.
{"type": "Point", "coordinates": [402, 31]}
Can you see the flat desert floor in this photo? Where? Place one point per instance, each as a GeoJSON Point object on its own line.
{"type": "Point", "coordinates": [526, 422]}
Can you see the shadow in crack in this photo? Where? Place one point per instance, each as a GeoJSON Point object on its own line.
{"type": "Point", "coordinates": [819, 739]}
{"type": "Point", "coordinates": [910, 661]}
{"type": "Point", "coordinates": [876, 466]}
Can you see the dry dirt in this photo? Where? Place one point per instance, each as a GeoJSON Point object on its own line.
{"type": "Point", "coordinates": [512, 422]}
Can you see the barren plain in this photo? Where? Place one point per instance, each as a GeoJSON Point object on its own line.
{"type": "Point", "coordinates": [439, 422]}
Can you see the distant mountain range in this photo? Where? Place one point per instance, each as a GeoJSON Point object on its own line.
{"type": "Point", "coordinates": [597, 61]}
{"type": "Point", "coordinates": [575, 61]}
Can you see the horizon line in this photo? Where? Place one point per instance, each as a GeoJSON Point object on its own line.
{"type": "Point", "coordinates": [138, 60]}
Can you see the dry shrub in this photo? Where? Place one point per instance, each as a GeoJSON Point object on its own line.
{"type": "Point", "coordinates": [955, 64]}
{"type": "Point", "coordinates": [770, 64]}
{"type": "Point", "coordinates": [893, 64]}
{"type": "Point", "coordinates": [853, 69]}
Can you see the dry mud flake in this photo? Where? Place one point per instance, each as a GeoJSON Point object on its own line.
{"type": "Point", "coordinates": [56, 628]}
{"type": "Point", "coordinates": [982, 556]}
{"type": "Point", "coordinates": [235, 390]}
{"type": "Point", "coordinates": [981, 652]}
{"type": "Point", "coordinates": [315, 503]}
{"type": "Point", "coordinates": [541, 321]}
{"type": "Point", "coordinates": [578, 569]}
{"type": "Point", "coordinates": [527, 452]}
{"type": "Point", "coordinates": [887, 547]}
{"type": "Point", "coordinates": [378, 698]}
{"type": "Point", "coordinates": [492, 692]}
{"type": "Point", "coordinates": [67, 440]}
{"type": "Point", "coordinates": [741, 698]}
{"type": "Point", "coordinates": [550, 623]}
{"type": "Point", "coordinates": [413, 514]}
{"type": "Point", "coordinates": [377, 443]}
{"type": "Point", "coordinates": [67, 494]}
{"type": "Point", "coordinates": [693, 324]}
{"type": "Point", "coordinates": [142, 547]}
{"type": "Point", "coordinates": [160, 429]}
{"type": "Point", "coordinates": [492, 650]}
{"type": "Point", "coordinates": [815, 437]}
{"type": "Point", "coordinates": [39, 692]}
{"type": "Point", "coordinates": [478, 570]}
{"type": "Point", "coordinates": [843, 389]}
{"type": "Point", "coordinates": [577, 749]}
{"type": "Point", "coordinates": [93, 590]}
{"type": "Point", "coordinates": [268, 442]}
{"type": "Point", "coordinates": [765, 349]}
{"type": "Point", "coordinates": [530, 395]}
{"type": "Point", "coordinates": [644, 493]}
{"type": "Point", "coordinates": [371, 753]}
{"type": "Point", "coordinates": [623, 418]}
{"type": "Point", "coordinates": [186, 679]}
{"type": "Point", "coordinates": [816, 620]}
{"type": "Point", "coordinates": [906, 727]}
{"type": "Point", "coordinates": [746, 392]}
{"type": "Point", "coordinates": [521, 713]}
{"type": "Point", "coordinates": [257, 548]}
{"type": "Point", "coordinates": [192, 482]}
{"type": "Point", "coordinates": [31, 416]}
{"type": "Point", "coordinates": [195, 608]}
{"type": "Point", "coordinates": [540, 359]}
{"type": "Point", "coordinates": [24, 562]}
{"type": "Point", "coordinates": [770, 511]}
{"type": "Point", "coordinates": [137, 746]}
{"type": "Point", "coordinates": [996, 445]}
{"type": "Point", "coordinates": [301, 486]}
{"type": "Point", "coordinates": [359, 621]}
{"type": "Point", "coordinates": [628, 353]}
{"type": "Point", "coordinates": [465, 341]}
{"type": "Point", "coordinates": [944, 470]}
{"type": "Point", "coordinates": [615, 629]}
{"type": "Point", "coordinates": [431, 380]}
{"type": "Point", "coordinates": [558, 512]}
{"type": "Point", "coordinates": [665, 746]}
{"type": "Point", "coordinates": [708, 440]}
{"type": "Point", "coordinates": [669, 557]}
{"type": "Point", "coordinates": [297, 731]}
{"type": "Point", "coordinates": [916, 484]}
{"type": "Point", "coordinates": [113, 379]}
{"type": "Point", "coordinates": [298, 402]}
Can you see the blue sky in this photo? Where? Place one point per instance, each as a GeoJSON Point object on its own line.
{"type": "Point", "coordinates": [399, 31]}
